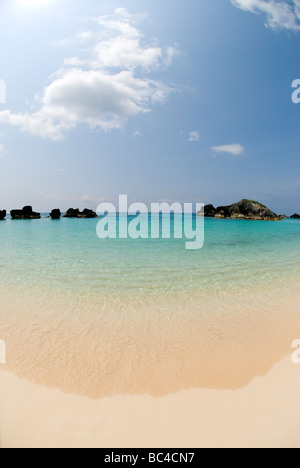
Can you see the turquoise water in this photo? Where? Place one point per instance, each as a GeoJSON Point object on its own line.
{"type": "Point", "coordinates": [108, 317]}
{"type": "Point", "coordinates": [67, 255]}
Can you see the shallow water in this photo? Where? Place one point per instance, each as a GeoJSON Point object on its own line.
{"type": "Point", "coordinates": [105, 317]}
{"type": "Point", "coordinates": [66, 255]}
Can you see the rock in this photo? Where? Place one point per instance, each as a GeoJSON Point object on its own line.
{"type": "Point", "coordinates": [25, 213]}
{"type": "Point", "coordinates": [55, 214]}
{"type": "Point", "coordinates": [245, 209]}
{"type": "Point", "coordinates": [224, 211]}
{"type": "Point", "coordinates": [282, 216]}
{"type": "Point", "coordinates": [237, 216]}
{"type": "Point", "coordinates": [16, 214]}
{"type": "Point", "coordinates": [2, 214]}
{"type": "Point", "coordinates": [210, 211]}
{"type": "Point", "coordinates": [71, 213]}
{"type": "Point", "coordinates": [76, 213]}
{"type": "Point", "coordinates": [250, 209]}
{"type": "Point", "coordinates": [88, 214]}
{"type": "Point", "coordinates": [295, 216]}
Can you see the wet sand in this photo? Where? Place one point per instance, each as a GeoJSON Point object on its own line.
{"type": "Point", "coordinates": [177, 371]}
{"type": "Point", "coordinates": [104, 347]}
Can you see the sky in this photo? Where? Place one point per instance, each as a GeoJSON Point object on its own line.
{"type": "Point", "coordinates": [187, 101]}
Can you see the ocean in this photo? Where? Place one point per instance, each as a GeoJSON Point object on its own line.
{"type": "Point", "coordinates": [66, 255]}
{"type": "Point", "coordinates": [121, 316]}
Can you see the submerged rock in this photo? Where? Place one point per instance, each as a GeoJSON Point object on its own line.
{"type": "Point", "coordinates": [76, 213]}
{"type": "Point", "coordinates": [55, 214]}
{"type": "Point", "coordinates": [25, 213]}
{"type": "Point", "coordinates": [245, 209]}
{"type": "Point", "coordinates": [2, 214]}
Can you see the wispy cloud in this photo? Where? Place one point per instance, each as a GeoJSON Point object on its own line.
{"type": "Point", "coordinates": [103, 88]}
{"type": "Point", "coordinates": [235, 149]}
{"type": "Point", "coordinates": [85, 36]}
{"type": "Point", "coordinates": [2, 149]}
{"type": "Point", "coordinates": [194, 137]}
{"type": "Point", "coordinates": [75, 199]}
{"type": "Point", "coordinates": [281, 14]}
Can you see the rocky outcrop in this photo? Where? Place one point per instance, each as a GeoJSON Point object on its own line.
{"type": "Point", "coordinates": [76, 213]}
{"type": "Point", "coordinates": [282, 216]}
{"type": "Point", "coordinates": [245, 209]}
{"type": "Point", "coordinates": [2, 215]}
{"type": "Point", "coordinates": [55, 214]}
{"type": "Point", "coordinates": [71, 213]}
{"type": "Point", "coordinates": [25, 213]}
{"type": "Point", "coordinates": [88, 214]}
{"type": "Point", "coordinates": [210, 211]}
{"type": "Point", "coordinates": [295, 216]}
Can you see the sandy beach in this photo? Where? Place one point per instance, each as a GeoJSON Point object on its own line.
{"type": "Point", "coordinates": [149, 224]}
{"type": "Point", "coordinates": [264, 414]}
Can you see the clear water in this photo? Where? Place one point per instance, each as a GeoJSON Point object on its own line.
{"type": "Point", "coordinates": [67, 255]}
{"type": "Point", "coordinates": [109, 317]}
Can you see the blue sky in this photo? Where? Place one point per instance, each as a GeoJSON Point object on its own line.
{"type": "Point", "coordinates": [174, 100]}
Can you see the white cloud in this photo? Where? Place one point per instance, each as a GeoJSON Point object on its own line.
{"type": "Point", "coordinates": [122, 45]}
{"type": "Point", "coordinates": [85, 36]}
{"type": "Point", "coordinates": [281, 14]}
{"type": "Point", "coordinates": [74, 62]}
{"type": "Point", "coordinates": [235, 149]}
{"type": "Point", "coordinates": [104, 88]}
{"type": "Point", "coordinates": [194, 137]}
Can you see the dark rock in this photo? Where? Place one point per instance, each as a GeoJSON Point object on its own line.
{"type": "Point", "coordinates": [245, 209]}
{"type": "Point", "coordinates": [88, 214]}
{"type": "Point", "coordinates": [250, 209]}
{"type": "Point", "coordinates": [16, 214]}
{"type": "Point", "coordinates": [210, 211]}
{"type": "Point", "coordinates": [224, 211]}
{"type": "Point", "coordinates": [2, 215]}
{"type": "Point", "coordinates": [72, 213]}
{"type": "Point", "coordinates": [55, 214]}
{"type": "Point", "coordinates": [295, 216]}
{"type": "Point", "coordinates": [25, 213]}
{"type": "Point", "coordinates": [28, 211]}
{"type": "Point", "coordinates": [76, 213]}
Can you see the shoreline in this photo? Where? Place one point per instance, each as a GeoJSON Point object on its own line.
{"type": "Point", "coordinates": [101, 347]}
{"type": "Point", "coordinates": [265, 414]}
